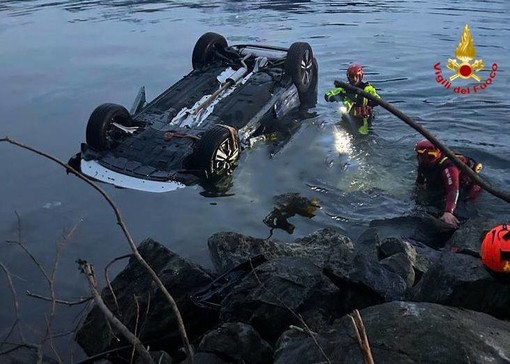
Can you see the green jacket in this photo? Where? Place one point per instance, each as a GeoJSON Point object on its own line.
{"type": "Point", "coordinates": [356, 104]}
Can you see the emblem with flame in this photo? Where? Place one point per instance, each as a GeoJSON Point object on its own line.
{"type": "Point", "coordinates": [465, 52]}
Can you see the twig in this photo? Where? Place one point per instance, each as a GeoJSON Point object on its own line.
{"type": "Point", "coordinates": [413, 124]}
{"type": "Point", "coordinates": [298, 316]}
{"type": "Point", "coordinates": [16, 347]}
{"type": "Point", "coordinates": [20, 243]}
{"type": "Point", "coordinates": [120, 222]}
{"type": "Point", "coordinates": [88, 270]}
{"type": "Point", "coordinates": [15, 304]}
{"type": "Point", "coordinates": [361, 334]}
{"type": "Point", "coordinates": [62, 302]}
{"type": "Point", "coordinates": [136, 325]}
{"type": "Point", "coordinates": [109, 283]}
{"type": "Point", "coordinates": [51, 284]}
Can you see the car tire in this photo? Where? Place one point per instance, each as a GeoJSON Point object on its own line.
{"type": "Point", "coordinates": [207, 44]}
{"type": "Point", "coordinates": [299, 65]}
{"type": "Point", "coordinates": [217, 152]}
{"type": "Point", "coordinates": [308, 99]}
{"type": "Point", "coordinates": [101, 134]}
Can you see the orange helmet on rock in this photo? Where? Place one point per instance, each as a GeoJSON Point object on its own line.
{"type": "Point", "coordinates": [495, 249]}
{"type": "Point", "coordinates": [427, 152]}
{"type": "Point", "coordinates": [355, 73]}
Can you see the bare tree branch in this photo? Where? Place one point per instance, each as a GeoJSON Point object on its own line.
{"type": "Point", "coordinates": [62, 302]}
{"type": "Point", "coordinates": [120, 222]}
{"type": "Point", "coordinates": [136, 324]}
{"type": "Point", "coordinates": [361, 334]}
{"type": "Point", "coordinates": [20, 243]}
{"type": "Point", "coordinates": [107, 279]}
{"type": "Point", "coordinates": [88, 270]}
{"type": "Point", "coordinates": [15, 304]}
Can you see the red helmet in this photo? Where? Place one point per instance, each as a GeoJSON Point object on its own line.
{"type": "Point", "coordinates": [355, 73]}
{"type": "Point", "coordinates": [427, 152]}
{"type": "Point", "coordinates": [495, 249]}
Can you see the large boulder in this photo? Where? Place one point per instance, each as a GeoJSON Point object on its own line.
{"type": "Point", "coordinates": [461, 280]}
{"type": "Point", "coordinates": [270, 298]}
{"type": "Point", "coordinates": [404, 332]}
{"type": "Point", "coordinates": [238, 343]}
{"type": "Point", "coordinates": [360, 279]}
{"type": "Point", "coordinates": [367, 280]}
{"type": "Point", "coordinates": [423, 228]}
{"type": "Point", "coordinates": [157, 325]}
{"type": "Point", "coordinates": [325, 247]}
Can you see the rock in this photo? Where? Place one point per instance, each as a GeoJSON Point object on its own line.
{"type": "Point", "coordinates": [366, 280]}
{"type": "Point", "coordinates": [228, 250]}
{"type": "Point", "coordinates": [238, 342]}
{"type": "Point", "coordinates": [461, 280]}
{"type": "Point", "coordinates": [325, 247]}
{"type": "Point", "coordinates": [391, 246]}
{"type": "Point", "coordinates": [269, 299]}
{"type": "Point", "coordinates": [423, 228]}
{"type": "Point", "coordinates": [469, 236]}
{"type": "Point", "coordinates": [399, 257]}
{"type": "Point", "coordinates": [207, 358]}
{"type": "Point", "coordinates": [404, 332]}
{"type": "Point", "coordinates": [157, 327]}
{"type": "Point", "coordinates": [401, 265]}
{"type": "Point", "coordinates": [159, 357]}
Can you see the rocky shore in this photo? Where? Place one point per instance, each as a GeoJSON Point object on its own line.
{"type": "Point", "coordinates": [274, 302]}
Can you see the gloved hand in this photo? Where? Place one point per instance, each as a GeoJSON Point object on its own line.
{"type": "Point", "coordinates": [337, 83]}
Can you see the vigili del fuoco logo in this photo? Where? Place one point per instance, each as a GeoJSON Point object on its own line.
{"type": "Point", "coordinates": [465, 66]}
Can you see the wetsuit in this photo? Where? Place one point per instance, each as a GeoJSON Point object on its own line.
{"type": "Point", "coordinates": [444, 176]}
{"type": "Point", "coordinates": [356, 104]}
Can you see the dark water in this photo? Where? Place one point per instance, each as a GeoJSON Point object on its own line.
{"type": "Point", "coordinates": [60, 59]}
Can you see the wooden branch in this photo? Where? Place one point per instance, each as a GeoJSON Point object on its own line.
{"type": "Point", "coordinates": [109, 283]}
{"type": "Point", "coordinates": [88, 270]}
{"type": "Point", "coordinates": [451, 155]}
{"type": "Point", "coordinates": [361, 334]}
{"type": "Point", "coordinates": [120, 222]}
{"type": "Point", "coordinates": [59, 301]}
{"type": "Point", "coordinates": [15, 304]}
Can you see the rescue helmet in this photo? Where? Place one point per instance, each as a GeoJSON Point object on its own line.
{"type": "Point", "coordinates": [354, 73]}
{"type": "Point", "coordinates": [427, 152]}
{"type": "Point", "coordinates": [495, 249]}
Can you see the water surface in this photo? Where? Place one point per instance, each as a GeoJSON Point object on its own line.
{"type": "Point", "coordinates": [61, 59]}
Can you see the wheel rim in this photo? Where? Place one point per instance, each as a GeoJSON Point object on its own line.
{"type": "Point", "coordinates": [113, 134]}
{"type": "Point", "coordinates": [306, 67]}
{"type": "Point", "coordinates": [225, 156]}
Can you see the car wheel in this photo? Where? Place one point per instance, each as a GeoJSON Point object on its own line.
{"type": "Point", "coordinates": [299, 65]}
{"type": "Point", "coordinates": [217, 151]}
{"type": "Point", "coordinates": [101, 133]}
{"type": "Point", "coordinates": [207, 44]}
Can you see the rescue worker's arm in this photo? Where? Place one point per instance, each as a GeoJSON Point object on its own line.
{"type": "Point", "coordinates": [420, 178]}
{"type": "Point", "coordinates": [335, 95]}
{"type": "Point", "coordinates": [451, 185]}
{"type": "Point", "coordinates": [371, 90]}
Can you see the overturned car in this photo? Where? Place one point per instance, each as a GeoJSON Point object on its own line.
{"type": "Point", "coordinates": [195, 130]}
